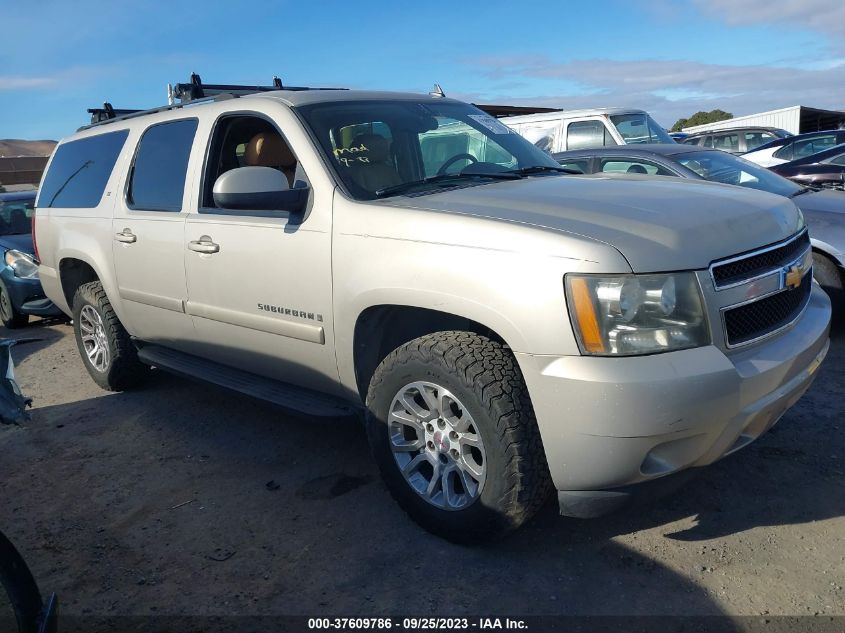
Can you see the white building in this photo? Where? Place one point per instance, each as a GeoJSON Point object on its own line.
{"type": "Point", "coordinates": [795, 119]}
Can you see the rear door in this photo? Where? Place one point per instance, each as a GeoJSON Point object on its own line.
{"type": "Point", "coordinates": [148, 232]}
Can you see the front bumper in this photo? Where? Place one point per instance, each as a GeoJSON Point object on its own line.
{"type": "Point", "coordinates": [610, 423]}
{"type": "Point", "coordinates": [27, 295]}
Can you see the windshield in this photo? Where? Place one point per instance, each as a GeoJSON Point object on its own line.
{"type": "Point", "coordinates": [378, 146]}
{"type": "Point", "coordinates": [726, 168]}
{"type": "Point", "coordinates": [16, 216]}
{"type": "Point", "coordinates": [640, 128]}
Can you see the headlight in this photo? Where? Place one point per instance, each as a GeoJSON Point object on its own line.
{"type": "Point", "coordinates": [623, 315]}
{"type": "Point", "coordinates": [21, 264]}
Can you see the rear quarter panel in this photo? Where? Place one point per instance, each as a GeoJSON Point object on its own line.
{"type": "Point", "coordinates": [82, 233]}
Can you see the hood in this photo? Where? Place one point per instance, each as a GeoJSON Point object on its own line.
{"type": "Point", "coordinates": [22, 243]}
{"type": "Point", "coordinates": [824, 212]}
{"type": "Point", "coordinates": [821, 202]}
{"type": "Point", "coordinates": [657, 223]}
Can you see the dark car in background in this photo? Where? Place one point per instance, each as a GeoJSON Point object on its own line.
{"type": "Point", "coordinates": [824, 211]}
{"type": "Point", "coordinates": [799, 146]}
{"type": "Point", "coordinates": [21, 294]}
{"type": "Point", "coordinates": [736, 140]}
{"type": "Point", "coordinates": [822, 170]}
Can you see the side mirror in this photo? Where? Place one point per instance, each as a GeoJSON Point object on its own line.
{"type": "Point", "coordinates": [258, 188]}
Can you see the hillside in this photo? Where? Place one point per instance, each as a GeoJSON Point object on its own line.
{"type": "Point", "coordinates": [15, 147]}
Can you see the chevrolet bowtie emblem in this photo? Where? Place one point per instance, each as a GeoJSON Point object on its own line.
{"type": "Point", "coordinates": [792, 277]}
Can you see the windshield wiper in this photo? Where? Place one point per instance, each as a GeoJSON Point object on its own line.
{"type": "Point", "coordinates": [389, 191]}
{"type": "Point", "coordinates": [538, 169]}
{"type": "Point", "coordinates": [802, 190]}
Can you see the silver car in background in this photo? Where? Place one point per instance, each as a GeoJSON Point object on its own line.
{"type": "Point", "coordinates": [824, 211]}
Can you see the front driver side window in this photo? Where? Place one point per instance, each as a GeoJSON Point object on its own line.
{"type": "Point", "coordinates": [249, 141]}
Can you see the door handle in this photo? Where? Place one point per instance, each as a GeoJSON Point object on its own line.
{"type": "Point", "coordinates": [126, 236]}
{"type": "Point", "coordinates": [203, 245]}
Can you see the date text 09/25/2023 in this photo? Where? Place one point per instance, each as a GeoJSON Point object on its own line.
{"type": "Point", "coordinates": [416, 624]}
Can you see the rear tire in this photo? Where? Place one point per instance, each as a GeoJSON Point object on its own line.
{"type": "Point", "coordinates": [10, 317]}
{"type": "Point", "coordinates": [104, 345]}
{"type": "Point", "coordinates": [451, 410]}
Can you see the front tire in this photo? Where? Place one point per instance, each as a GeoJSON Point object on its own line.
{"type": "Point", "coordinates": [10, 317]}
{"type": "Point", "coordinates": [104, 345]}
{"type": "Point", "coordinates": [452, 429]}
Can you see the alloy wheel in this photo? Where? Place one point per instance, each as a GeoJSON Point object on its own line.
{"type": "Point", "coordinates": [436, 445]}
{"type": "Point", "coordinates": [94, 339]}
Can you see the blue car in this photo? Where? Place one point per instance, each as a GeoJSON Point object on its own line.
{"type": "Point", "coordinates": [20, 289]}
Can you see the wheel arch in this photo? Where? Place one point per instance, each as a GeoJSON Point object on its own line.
{"type": "Point", "coordinates": [381, 328]}
{"type": "Point", "coordinates": [75, 269]}
{"type": "Point", "coordinates": [73, 272]}
{"type": "Point", "coordinates": [825, 249]}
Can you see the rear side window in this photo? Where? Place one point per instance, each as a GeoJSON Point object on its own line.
{"type": "Point", "coordinates": [813, 145]}
{"type": "Point", "coordinates": [588, 134]}
{"type": "Point", "coordinates": [80, 170]}
{"type": "Point", "coordinates": [754, 140]}
{"type": "Point", "coordinates": [161, 164]}
{"type": "Point", "coordinates": [726, 142]}
{"type": "Point", "coordinates": [579, 164]}
{"type": "Point", "coordinates": [629, 166]}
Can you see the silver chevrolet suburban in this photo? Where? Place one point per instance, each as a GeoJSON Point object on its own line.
{"type": "Point", "coordinates": [508, 328]}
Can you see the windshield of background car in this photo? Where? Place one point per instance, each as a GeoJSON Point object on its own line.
{"type": "Point", "coordinates": [16, 216]}
{"type": "Point", "coordinates": [374, 145]}
{"type": "Point", "coordinates": [640, 128]}
{"type": "Point", "coordinates": [722, 167]}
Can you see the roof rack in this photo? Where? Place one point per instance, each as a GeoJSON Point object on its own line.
{"type": "Point", "coordinates": [195, 89]}
{"type": "Point", "coordinates": [107, 112]}
{"type": "Point", "coordinates": [188, 93]}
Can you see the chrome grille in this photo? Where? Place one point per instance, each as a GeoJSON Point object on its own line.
{"type": "Point", "coordinates": [748, 266]}
{"type": "Point", "coordinates": [757, 319]}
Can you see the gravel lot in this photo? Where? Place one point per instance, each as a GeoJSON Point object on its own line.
{"type": "Point", "coordinates": [181, 498]}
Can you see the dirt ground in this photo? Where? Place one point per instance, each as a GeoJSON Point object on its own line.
{"type": "Point", "coordinates": [182, 498]}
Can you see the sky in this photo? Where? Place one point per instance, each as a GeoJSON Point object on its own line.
{"type": "Point", "coordinates": [670, 57]}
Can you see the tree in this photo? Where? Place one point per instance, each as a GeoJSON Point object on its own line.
{"type": "Point", "coordinates": [700, 118]}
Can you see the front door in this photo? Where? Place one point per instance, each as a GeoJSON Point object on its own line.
{"type": "Point", "coordinates": [148, 233]}
{"type": "Point", "coordinates": [259, 282]}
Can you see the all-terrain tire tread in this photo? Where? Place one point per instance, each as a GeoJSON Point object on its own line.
{"type": "Point", "coordinates": [490, 369]}
{"type": "Point", "coordinates": [125, 369]}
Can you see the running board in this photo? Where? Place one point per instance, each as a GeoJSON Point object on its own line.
{"type": "Point", "coordinates": [285, 395]}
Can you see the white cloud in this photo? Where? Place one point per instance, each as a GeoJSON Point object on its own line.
{"type": "Point", "coordinates": [670, 89]}
{"type": "Point", "coordinates": [24, 83]}
{"type": "Point", "coordinates": [825, 16]}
